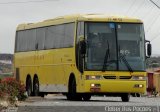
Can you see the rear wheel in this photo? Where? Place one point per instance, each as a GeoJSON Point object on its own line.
{"type": "Point", "coordinates": [86, 97]}
{"type": "Point", "coordinates": [36, 87]}
{"type": "Point", "coordinates": [29, 87]}
{"type": "Point", "coordinates": [125, 97]}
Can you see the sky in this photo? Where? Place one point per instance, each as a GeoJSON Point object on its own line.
{"type": "Point", "coordinates": [14, 12]}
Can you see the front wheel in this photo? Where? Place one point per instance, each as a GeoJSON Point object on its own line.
{"type": "Point", "coordinates": [86, 97]}
{"type": "Point", "coordinates": [138, 94]}
{"type": "Point", "coordinates": [42, 94]}
{"type": "Point", "coordinates": [72, 94]}
{"type": "Point", "coordinates": [125, 97]}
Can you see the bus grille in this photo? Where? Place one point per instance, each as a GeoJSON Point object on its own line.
{"type": "Point", "coordinates": [117, 77]}
{"type": "Point", "coordinates": [109, 77]}
{"type": "Point", "coordinates": [125, 77]}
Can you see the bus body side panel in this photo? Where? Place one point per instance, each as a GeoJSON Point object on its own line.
{"type": "Point", "coordinates": [25, 61]}
{"type": "Point", "coordinates": [54, 68]}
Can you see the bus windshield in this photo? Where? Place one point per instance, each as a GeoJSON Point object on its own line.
{"type": "Point", "coordinates": [131, 45]}
{"type": "Point", "coordinates": [106, 42]}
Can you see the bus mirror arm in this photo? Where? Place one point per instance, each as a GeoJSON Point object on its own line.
{"type": "Point", "coordinates": [149, 49]}
{"type": "Point", "coordinates": [147, 41]}
{"type": "Point", "coordinates": [83, 47]}
{"type": "Point", "coordinates": [82, 43]}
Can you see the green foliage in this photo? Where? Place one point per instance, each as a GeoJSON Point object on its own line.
{"type": "Point", "coordinates": [5, 75]}
{"type": "Point", "coordinates": [12, 89]}
{"type": "Point", "coordinates": [153, 62]}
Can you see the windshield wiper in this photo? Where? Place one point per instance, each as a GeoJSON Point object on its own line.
{"type": "Point", "coordinates": [107, 56]}
{"type": "Point", "coordinates": [126, 62]}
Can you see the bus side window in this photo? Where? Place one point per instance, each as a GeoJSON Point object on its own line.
{"type": "Point", "coordinates": [40, 38]}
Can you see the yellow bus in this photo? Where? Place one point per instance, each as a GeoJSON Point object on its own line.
{"type": "Point", "coordinates": [82, 55]}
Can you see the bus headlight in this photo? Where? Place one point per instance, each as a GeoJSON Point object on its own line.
{"type": "Point", "coordinates": [138, 77]}
{"type": "Point", "coordinates": [93, 77]}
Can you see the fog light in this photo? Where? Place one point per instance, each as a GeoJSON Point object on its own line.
{"type": "Point", "coordinates": [92, 85]}
{"type": "Point", "coordinates": [95, 88]}
{"type": "Point", "coordinates": [138, 85]}
{"type": "Point", "coordinates": [95, 85]}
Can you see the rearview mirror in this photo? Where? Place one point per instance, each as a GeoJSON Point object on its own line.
{"type": "Point", "coordinates": [149, 49]}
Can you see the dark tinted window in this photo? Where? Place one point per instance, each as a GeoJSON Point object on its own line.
{"type": "Point", "coordinates": [69, 35]}
{"type": "Point", "coordinates": [49, 40]}
{"type": "Point", "coordinates": [26, 40]}
{"type": "Point", "coordinates": [58, 36]}
{"type": "Point", "coordinates": [30, 39]}
{"type": "Point", "coordinates": [18, 41]}
{"type": "Point", "coordinates": [80, 29]}
{"type": "Point", "coordinates": [21, 41]}
{"type": "Point", "coordinates": [40, 38]}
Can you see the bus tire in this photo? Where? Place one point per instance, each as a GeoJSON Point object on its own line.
{"type": "Point", "coordinates": [68, 96]}
{"type": "Point", "coordinates": [125, 97]}
{"type": "Point", "coordinates": [72, 89]}
{"type": "Point", "coordinates": [29, 86]}
{"type": "Point", "coordinates": [133, 94]}
{"type": "Point", "coordinates": [41, 94]}
{"type": "Point", "coordinates": [86, 97]}
{"type": "Point", "coordinates": [138, 95]}
{"type": "Point", "coordinates": [36, 87]}
{"type": "Point", "coordinates": [72, 95]}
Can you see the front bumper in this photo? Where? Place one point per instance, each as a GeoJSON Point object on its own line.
{"type": "Point", "coordinates": [115, 86]}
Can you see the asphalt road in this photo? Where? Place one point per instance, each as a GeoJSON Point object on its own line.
{"type": "Point", "coordinates": [53, 103]}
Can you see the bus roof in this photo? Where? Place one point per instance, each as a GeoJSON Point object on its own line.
{"type": "Point", "coordinates": [79, 17]}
